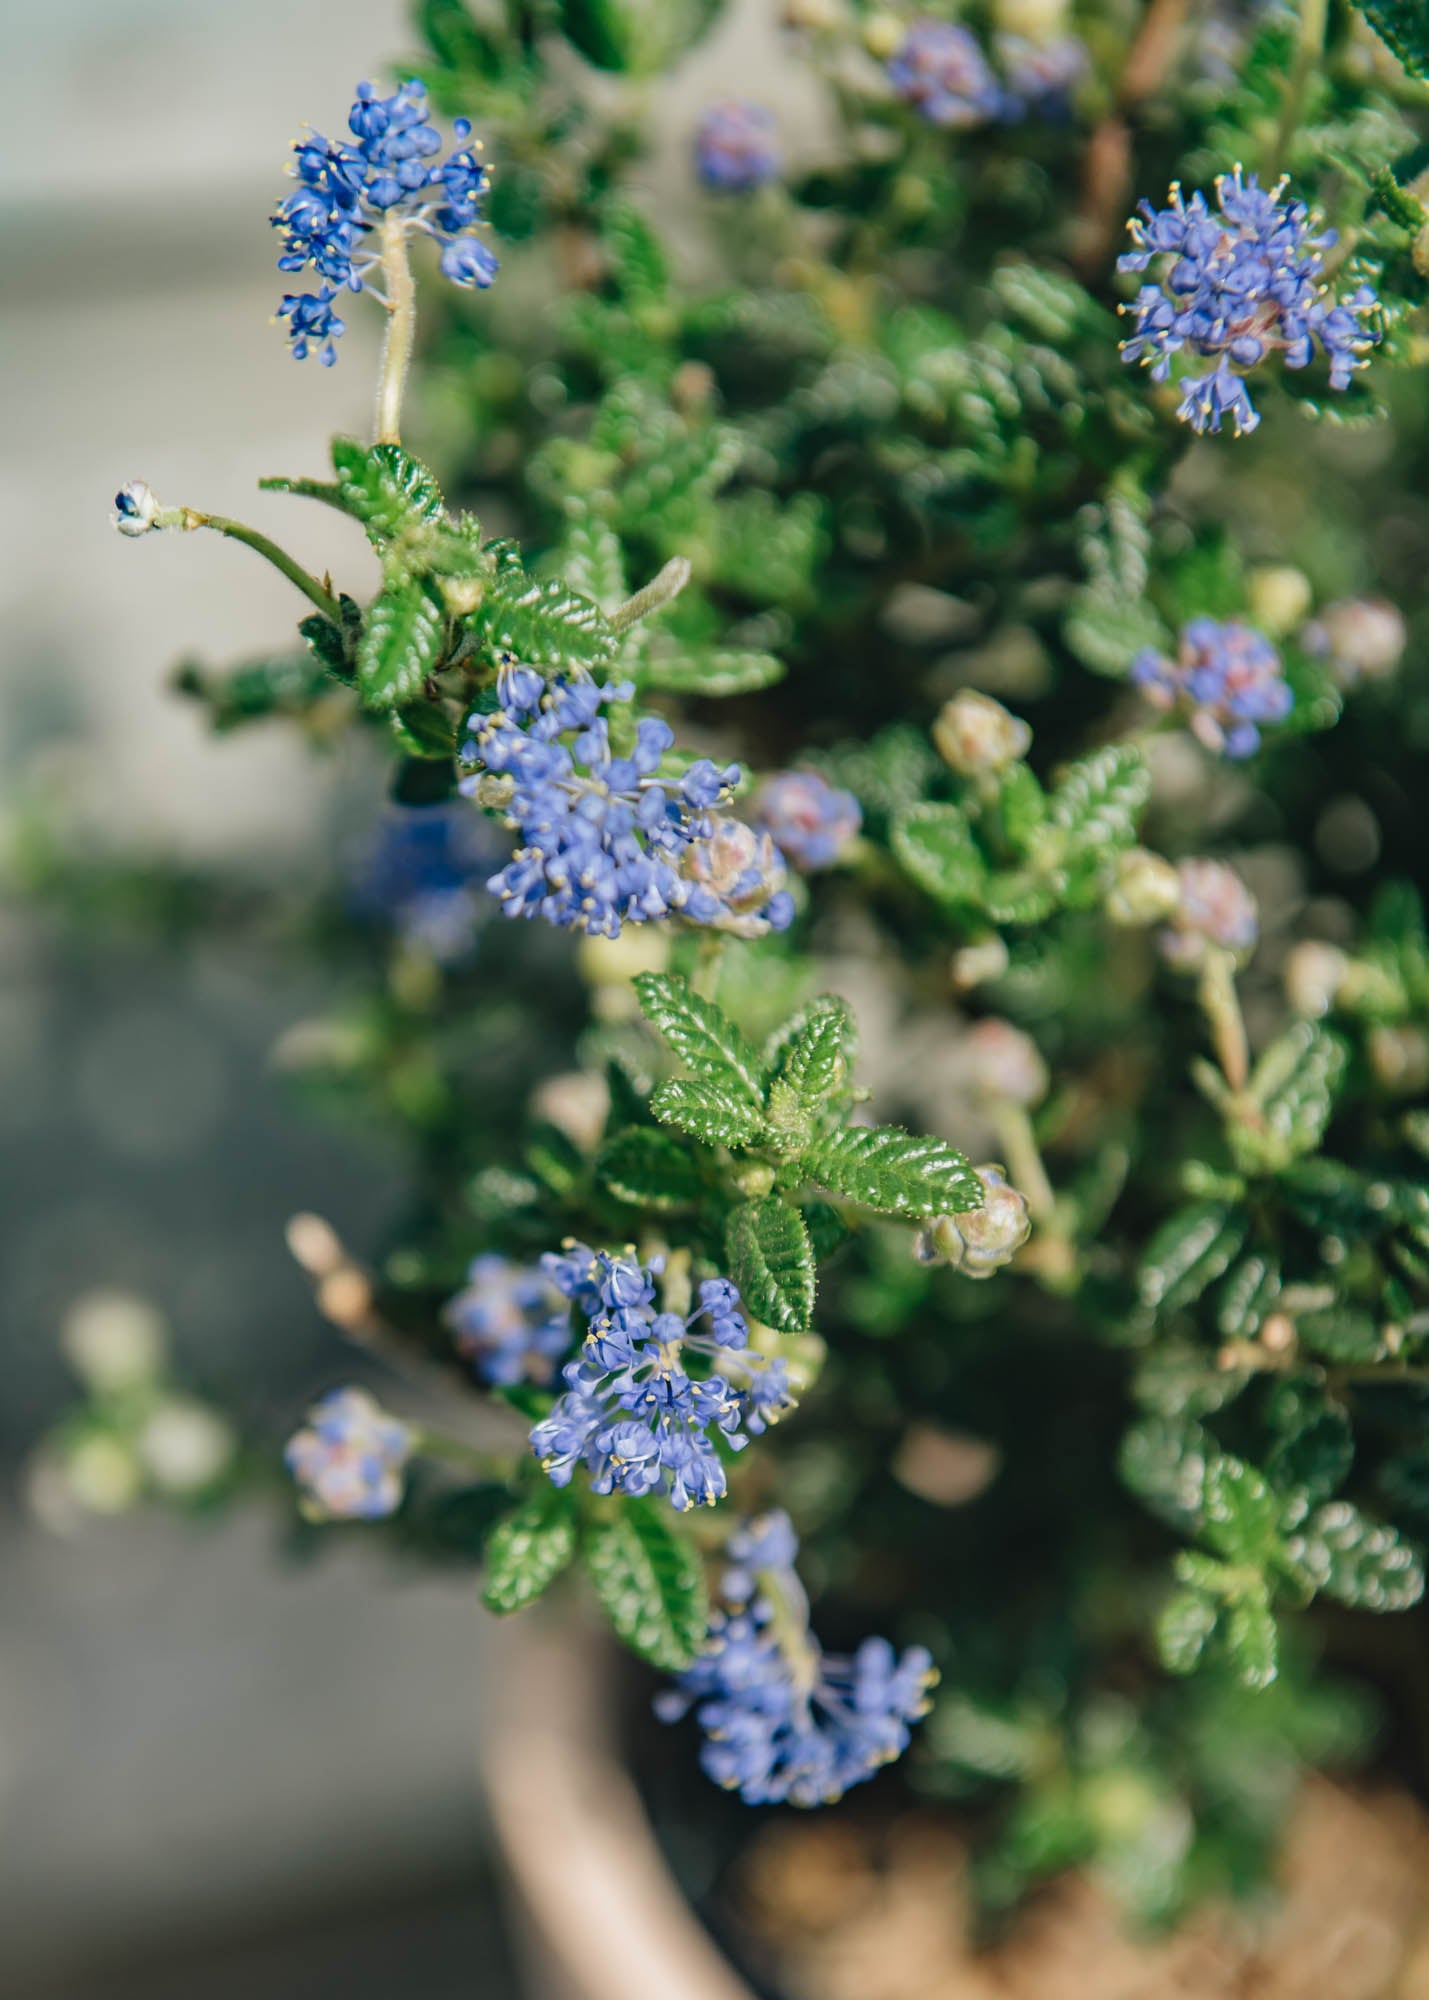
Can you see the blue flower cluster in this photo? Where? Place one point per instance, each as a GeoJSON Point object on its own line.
{"type": "Point", "coordinates": [940, 70]}
{"type": "Point", "coordinates": [348, 190]}
{"type": "Point", "coordinates": [737, 147]}
{"type": "Point", "coordinates": [1234, 286]}
{"type": "Point", "coordinates": [811, 822]}
{"type": "Point", "coordinates": [424, 873]}
{"type": "Point", "coordinates": [601, 837]}
{"type": "Point", "coordinates": [1226, 678]}
{"type": "Point", "coordinates": [631, 1413]}
{"type": "Point", "coordinates": [509, 1321]}
{"type": "Point", "coordinates": [783, 1720]}
{"type": "Point", "coordinates": [349, 1458]}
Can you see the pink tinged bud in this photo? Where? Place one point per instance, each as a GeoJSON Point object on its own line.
{"type": "Point", "coordinates": [981, 1240]}
{"type": "Point", "coordinates": [1216, 910]}
{"type": "Point", "coordinates": [1314, 975]}
{"type": "Point", "coordinates": [1360, 638]}
{"type": "Point", "coordinates": [976, 735]}
{"type": "Point", "coordinates": [1007, 1063]}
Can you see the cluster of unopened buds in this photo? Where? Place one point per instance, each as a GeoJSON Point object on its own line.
{"type": "Point", "coordinates": [981, 1240]}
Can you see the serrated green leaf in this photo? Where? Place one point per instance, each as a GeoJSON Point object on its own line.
{"type": "Point", "coordinates": [709, 1111]}
{"type": "Point", "coordinates": [897, 1172]}
{"type": "Point", "coordinates": [1178, 1380]}
{"type": "Point", "coordinates": [637, 260]}
{"type": "Point", "coordinates": [772, 1262]}
{"type": "Point", "coordinates": [723, 670]}
{"type": "Point", "coordinates": [650, 1583]}
{"type": "Point", "coordinates": [1017, 896]}
{"type": "Point", "coordinates": [544, 624]}
{"type": "Point", "coordinates": [1186, 1622]}
{"type": "Point", "coordinates": [1189, 1252]}
{"type": "Point", "coordinates": [704, 1039]}
{"type": "Point", "coordinates": [391, 493]}
{"type": "Point", "coordinates": [1241, 1512]}
{"type": "Point", "coordinates": [1341, 1333]}
{"type": "Point", "coordinates": [554, 1157]}
{"type": "Point", "coordinates": [634, 37]}
{"type": "Point", "coordinates": [400, 645]}
{"type": "Point", "coordinates": [1098, 799]}
{"type": "Point", "coordinates": [1290, 1097]}
{"type": "Point", "coordinates": [649, 1169]}
{"type": "Point", "coordinates": [1404, 26]}
{"type": "Point", "coordinates": [935, 846]}
{"type": "Point", "coordinates": [424, 730]}
{"type": "Point", "coordinates": [1021, 805]}
{"type": "Point", "coordinates": [1357, 1560]}
{"type": "Point", "coordinates": [817, 1058]}
{"type": "Point", "coordinates": [527, 1551]}
{"type": "Point", "coordinates": [592, 561]}
{"type": "Point", "coordinates": [1248, 1294]}
{"type": "Point", "coordinates": [1106, 630]}
{"type": "Point", "coordinates": [1252, 1642]}
{"type": "Point", "coordinates": [289, 686]}
{"type": "Point", "coordinates": [1314, 1445]}
{"type": "Point", "coordinates": [1165, 1463]}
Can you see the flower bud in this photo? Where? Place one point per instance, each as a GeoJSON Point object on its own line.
{"type": "Point", "coordinates": [1216, 909]}
{"type": "Point", "coordinates": [739, 866]}
{"type": "Point", "coordinates": [975, 734]}
{"type": "Point", "coordinates": [1032, 20]}
{"type": "Point", "coordinates": [1399, 1057]}
{"type": "Point", "coordinates": [1145, 890]}
{"type": "Point", "coordinates": [1314, 974]}
{"type": "Point", "coordinates": [102, 1474]}
{"type": "Point", "coordinates": [1359, 638]}
{"type": "Point", "coordinates": [975, 964]}
{"type": "Point", "coordinates": [980, 1240]}
{"type": "Point", "coordinates": [185, 1448]}
{"type": "Point", "coordinates": [883, 35]}
{"type": "Point", "coordinates": [1278, 596]}
{"type": "Point", "coordinates": [577, 1102]}
{"type": "Point", "coordinates": [1007, 1063]}
{"type": "Point", "coordinates": [113, 1341]}
{"type": "Point", "coordinates": [136, 511]}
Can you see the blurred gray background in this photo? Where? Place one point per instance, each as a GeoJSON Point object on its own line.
{"type": "Point", "coordinates": [217, 1774]}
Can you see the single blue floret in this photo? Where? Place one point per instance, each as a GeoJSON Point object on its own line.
{"type": "Point", "coordinates": [631, 1413]}
{"type": "Point", "coordinates": [1226, 679]}
{"type": "Point", "coordinates": [737, 147]}
{"type": "Point", "coordinates": [1234, 286]}
{"type": "Point", "coordinates": [349, 190]}
{"type": "Point", "coordinates": [783, 1721]}
{"type": "Point", "coordinates": [809, 819]}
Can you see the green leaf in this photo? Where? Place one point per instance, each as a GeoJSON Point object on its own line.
{"type": "Point", "coordinates": [1314, 1445]}
{"type": "Point", "coordinates": [634, 37]}
{"type": "Point", "coordinates": [1107, 631]}
{"type": "Point", "coordinates": [1241, 1512]}
{"type": "Point", "coordinates": [1018, 896]}
{"type": "Point", "coordinates": [895, 1171]}
{"type": "Point", "coordinates": [1189, 1252]}
{"type": "Point", "coordinates": [649, 1169]}
{"type": "Point", "coordinates": [543, 624]}
{"type": "Point", "coordinates": [1292, 1092]}
{"type": "Point", "coordinates": [815, 1054]}
{"type": "Point", "coordinates": [234, 696]}
{"type": "Point", "coordinates": [1021, 806]}
{"type": "Point", "coordinates": [723, 670]}
{"type": "Point", "coordinates": [1187, 1620]}
{"type": "Point", "coordinates": [772, 1262]}
{"type": "Point", "coordinates": [1404, 25]}
{"type": "Point", "coordinates": [1247, 1295]}
{"type": "Point", "coordinates": [1252, 1643]}
{"type": "Point", "coordinates": [1165, 1463]}
{"type": "Point", "coordinates": [935, 846]}
{"type": "Point", "coordinates": [592, 561]}
{"type": "Point", "coordinates": [637, 258]}
{"type": "Point", "coordinates": [400, 645]}
{"type": "Point", "coordinates": [381, 485]}
{"type": "Point", "coordinates": [1341, 1333]}
{"type": "Point", "coordinates": [1357, 1560]}
{"type": "Point", "coordinates": [1099, 798]}
{"type": "Point", "coordinates": [650, 1583]}
{"type": "Point", "coordinates": [528, 1550]}
{"type": "Point", "coordinates": [554, 1157]}
{"type": "Point", "coordinates": [704, 1039]}
{"type": "Point", "coordinates": [708, 1111]}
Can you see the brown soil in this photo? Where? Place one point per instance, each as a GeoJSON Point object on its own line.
{"type": "Point", "coordinates": [846, 1918]}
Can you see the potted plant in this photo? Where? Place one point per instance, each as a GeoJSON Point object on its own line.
{"type": "Point", "coordinates": [951, 762]}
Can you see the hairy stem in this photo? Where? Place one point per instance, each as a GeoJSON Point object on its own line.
{"type": "Point", "coordinates": [401, 330]}
{"type": "Point", "coordinates": [660, 591]}
{"type": "Point", "coordinates": [270, 552]}
{"type": "Point", "coordinates": [493, 1465]}
{"type": "Point", "coordinates": [1221, 1006]}
{"type": "Point", "coordinates": [708, 965]}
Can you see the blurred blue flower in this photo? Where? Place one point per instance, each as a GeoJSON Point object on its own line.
{"type": "Point", "coordinates": [940, 69]}
{"type": "Point", "coordinates": [509, 1321]}
{"type": "Point", "coordinates": [737, 146]}
{"type": "Point", "coordinates": [1226, 679]}
{"type": "Point", "coordinates": [349, 1458]}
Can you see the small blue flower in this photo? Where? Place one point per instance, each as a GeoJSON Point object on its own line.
{"type": "Point", "coordinates": [349, 1458]}
{"type": "Point", "coordinates": [1234, 287]}
{"type": "Point", "coordinates": [509, 1321]}
{"type": "Point", "coordinates": [784, 1721]}
{"type": "Point", "coordinates": [735, 877]}
{"type": "Point", "coordinates": [1226, 678]}
{"type": "Point", "coordinates": [349, 190]}
{"type": "Point", "coordinates": [632, 1413]}
{"type": "Point", "coordinates": [600, 835]}
{"type": "Point", "coordinates": [737, 146]}
{"type": "Point", "coordinates": [424, 873]}
{"type": "Point", "coordinates": [940, 69]}
{"type": "Point", "coordinates": [1041, 75]}
{"type": "Point", "coordinates": [810, 822]}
